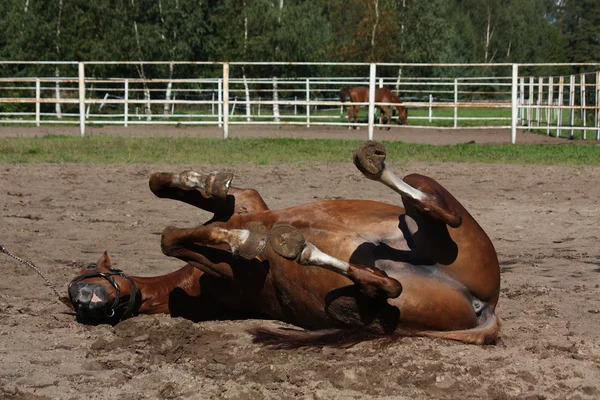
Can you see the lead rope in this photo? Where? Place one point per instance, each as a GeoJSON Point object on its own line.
{"type": "Point", "coordinates": [30, 265]}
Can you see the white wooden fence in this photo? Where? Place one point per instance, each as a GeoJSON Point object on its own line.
{"type": "Point", "coordinates": [547, 104]}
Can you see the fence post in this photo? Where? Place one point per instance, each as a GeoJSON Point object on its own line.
{"type": "Point", "coordinates": [380, 83]}
{"type": "Point", "coordinates": [225, 100]}
{"type": "Point", "coordinates": [549, 116]}
{"type": "Point", "coordinates": [220, 102]}
{"type": "Point", "coordinates": [37, 101]}
{"type": "Point", "coordinates": [126, 105]}
{"type": "Point", "coordinates": [455, 103]}
{"type": "Point", "coordinates": [583, 113]}
{"type": "Point", "coordinates": [598, 105]}
{"type": "Point", "coordinates": [571, 104]}
{"type": "Point", "coordinates": [372, 72]}
{"type": "Point", "coordinates": [430, 107]}
{"type": "Point", "coordinates": [514, 104]}
{"type": "Point", "coordinates": [522, 99]}
{"type": "Point", "coordinates": [307, 100]}
{"type": "Point", "coordinates": [82, 99]}
{"type": "Point", "coordinates": [561, 90]}
{"type": "Point", "coordinates": [530, 102]}
{"type": "Point", "coordinates": [538, 114]}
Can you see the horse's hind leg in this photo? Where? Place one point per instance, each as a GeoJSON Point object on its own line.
{"type": "Point", "coordinates": [465, 251]}
{"type": "Point", "coordinates": [369, 159]}
{"type": "Point", "coordinates": [211, 192]}
{"type": "Point", "coordinates": [352, 116]}
{"type": "Point", "coordinates": [290, 243]}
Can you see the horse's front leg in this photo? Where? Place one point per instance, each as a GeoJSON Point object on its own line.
{"type": "Point", "coordinates": [211, 248]}
{"type": "Point", "coordinates": [211, 192]}
{"type": "Point", "coordinates": [386, 116]}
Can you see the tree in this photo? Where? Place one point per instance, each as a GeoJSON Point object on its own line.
{"type": "Point", "coordinates": [579, 21]}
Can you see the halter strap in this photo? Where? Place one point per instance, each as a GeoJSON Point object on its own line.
{"type": "Point", "coordinates": [116, 303]}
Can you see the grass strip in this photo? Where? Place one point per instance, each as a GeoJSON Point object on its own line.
{"type": "Point", "coordinates": [186, 150]}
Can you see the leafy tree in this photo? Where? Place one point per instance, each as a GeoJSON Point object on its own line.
{"type": "Point", "coordinates": [579, 21]}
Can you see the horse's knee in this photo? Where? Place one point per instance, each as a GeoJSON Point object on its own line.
{"type": "Point", "coordinates": [249, 200]}
{"type": "Point", "coordinates": [438, 202]}
{"type": "Point", "coordinates": [160, 181]}
{"type": "Point", "coordinates": [168, 241]}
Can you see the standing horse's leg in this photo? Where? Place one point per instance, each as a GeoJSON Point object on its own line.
{"type": "Point", "coordinates": [352, 116]}
{"type": "Point", "coordinates": [211, 192]}
{"type": "Point", "coordinates": [387, 116]}
{"type": "Point", "coordinates": [356, 111]}
{"type": "Point", "coordinates": [350, 113]}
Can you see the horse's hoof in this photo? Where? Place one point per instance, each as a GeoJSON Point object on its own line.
{"type": "Point", "coordinates": [287, 241]}
{"type": "Point", "coordinates": [251, 247]}
{"type": "Point", "coordinates": [369, 159]}
{"type": "Point", "coordinates": [217, 184]}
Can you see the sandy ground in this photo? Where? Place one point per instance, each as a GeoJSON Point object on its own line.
{"type": "Point", "coordinates": [543, 221]}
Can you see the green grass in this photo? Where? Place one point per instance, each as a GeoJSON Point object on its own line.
{"type": "Point", "coordinates": [185, 150]}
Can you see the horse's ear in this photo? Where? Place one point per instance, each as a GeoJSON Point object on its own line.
{"type": "Point", "coordinates": [104, 261]}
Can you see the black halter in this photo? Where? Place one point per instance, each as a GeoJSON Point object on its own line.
{"type": "Point", "coordinates": [117, 302]}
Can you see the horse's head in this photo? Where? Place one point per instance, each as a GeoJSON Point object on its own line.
{"type": "Point", "coordinates": [402, 115]}
{"type": "Point", "coordinates": [102, 294]}
{"type": "Point", "coordinates": [344, 93]}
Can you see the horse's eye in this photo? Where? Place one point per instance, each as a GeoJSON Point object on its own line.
{"type": "Point", "coordinates": [92, 266]}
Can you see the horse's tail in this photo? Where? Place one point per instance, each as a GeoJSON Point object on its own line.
{"type": "Point", "coordinates": [486, 332]}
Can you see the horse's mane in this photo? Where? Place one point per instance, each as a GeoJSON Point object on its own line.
{"type": "Point", "coordinates": [395, 98]}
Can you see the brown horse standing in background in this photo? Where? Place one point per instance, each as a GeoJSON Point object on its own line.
{"type": "Point", "coordinates": [360, 94]}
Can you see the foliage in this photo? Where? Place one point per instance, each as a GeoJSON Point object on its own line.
{"type": "Point", "coordinates": [299, 30]}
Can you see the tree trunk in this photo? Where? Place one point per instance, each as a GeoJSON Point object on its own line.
{"type": "Point", "coordinates": [142, 74]}
{"type": "Point", "coordinates": [376, 2]}
{"type": "Point", "coordinates": [489, 33]}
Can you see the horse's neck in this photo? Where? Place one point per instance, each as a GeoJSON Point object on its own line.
{"type": "Point", "coordinates": [155, 291]}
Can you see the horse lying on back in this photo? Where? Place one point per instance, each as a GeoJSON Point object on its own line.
{"type": "Point", "coordinates": [331, 267]}
{"type": "Point", "coordinates": [360, 94]}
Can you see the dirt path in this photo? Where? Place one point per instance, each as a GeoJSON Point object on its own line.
{"type": "Point", "coordinates": [542, 220]}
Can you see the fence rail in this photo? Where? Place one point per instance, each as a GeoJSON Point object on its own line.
{"type": "Point", "coordinates": [224, 96]}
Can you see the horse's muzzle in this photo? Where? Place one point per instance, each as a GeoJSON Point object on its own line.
{"type": "Point", "coordinates": [90, 301]}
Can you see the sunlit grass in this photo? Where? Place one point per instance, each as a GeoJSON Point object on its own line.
{"type": "Point", "coordinates": [185, 150]}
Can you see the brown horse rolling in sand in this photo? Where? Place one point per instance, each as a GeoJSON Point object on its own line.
{"type": "Point", "coordinates": [335, 267]}
{"type": "Point", "coordinates": [360, 94]}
